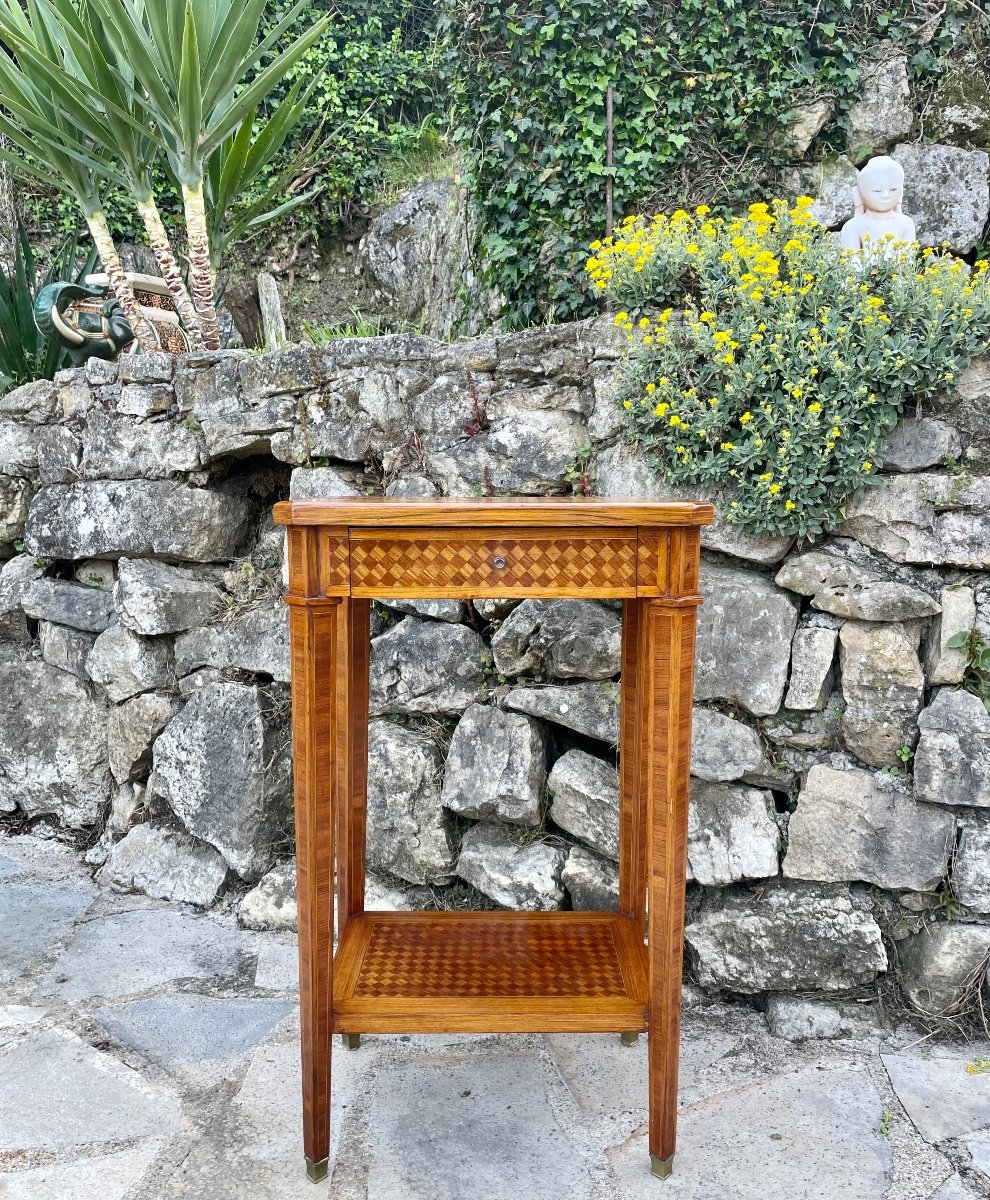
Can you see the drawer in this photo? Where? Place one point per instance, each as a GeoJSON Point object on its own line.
{"type": "Point", "coordinates": [493, 562]}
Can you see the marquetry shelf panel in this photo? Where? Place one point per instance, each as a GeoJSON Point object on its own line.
{"type": "Point", "coordinates": [483, 972]}
{"type": "Point", "coordinates": [498, 972]}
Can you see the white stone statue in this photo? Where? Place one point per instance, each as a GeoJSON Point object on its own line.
{"type": "Point", "coordinates": [878, 193]}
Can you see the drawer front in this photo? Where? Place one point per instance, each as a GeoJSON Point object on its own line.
{"type": "Point", "coordinates": [507, 563]}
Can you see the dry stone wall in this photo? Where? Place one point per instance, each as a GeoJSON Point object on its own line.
{"type": "Point", "coordinates": [144, 664]}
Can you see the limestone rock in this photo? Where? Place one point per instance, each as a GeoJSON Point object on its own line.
{"type": "Point", "coordinates": [165, 864]}
{"type": "Point", "coordinates": [271, 903]}
{"type": "Point", "coordinates": [812, 658]}
{"type": "Point", "coordinates": [830, 183]}
{"type": "Point", "coordinates": [965, 407]}
{"type": "Point", "coordinates": [156, 367]}
{"type": "Point", "coordinates": [68, 603]}
{"type": "Point", "coordinates": [882, 114]}
{"type": "Point", "coordinates": [592, 883]}
{"type": "Point", "coordinates": [513, 875]}
{"type": "Point", "coordinates": [15, 576]}
{"type": "Point", "coordinates": [126, 664]}
{"type": "Point", "coordinates": [745, 628]}
{"type": "Point", "coordinates": [145, 399]}
{"type": "Point", "coordinates": [496, 766]}
{"type": "Point", "coordinates": [272, 317]}
{"type": "Point", "coordinates": [952, 762]}
{"type": "Point", "coordinates": [971, 867]}
{"type": "Point", "coordinates": [416, 252]}
{"type": "Point", "coordinates": [255, 640]}
{"type": "Point", "coordinates": [588, 708]}
{"type": "Point", "coordinates": [960, 109]}
{"type": "Point", "coordinates": [223, 400]}
{"type": "Point", "coordinates": [34, 403]}
{"type": "Point", "coordinates": [426, 667]}
{"type": "Point", "coordinates": [53, 745]}
{"type": "Point", "coordinates": [806, 122]}
{"type": "Point", "coordinates": [883, 686]}
{"type": "Point", "coordinates": [723, 749]}
{"type": "Point", "coordinates": [789, 937]}
{"type": "Point", "coordinates": [18, 449]}
{"type": "Point", "coordinates": [622, 470]}
{"type": "Point", "coordinates": [117, 447]}
{"type": "Point", "coordinates": [848, 582]}
{"type": "Point", "coordinates": [944, 664]}
{"type": "Point", "coordinates": [318, 483]}
{"type": "Point", "coordinates": [939, 963]}
{"type": "Point", "coordinates": [559, 638]}
{"type": "Point", "coordinates": [410, 833]}
{"type": "Point", "coordinates": [223, 766]}
{"type": "Point", "coordinates": [924, 519]}
{"type": "Point", "coordinates": [799, 1018]}
{"type": "Point", "coordinates": [133, 727]}
{"type": "Point", "coordinates": [65, 648]}
{"type": "Point", "coordinates": [154, 598]}
{"type": "Point", "coordinates": [946, 193]}
{"type": "Point", "coordinates": [15, 501]}
{"type": "Point", "coordinates": [918, 443]}
{"type": "Point", "coordinates": [732, 834]}
{"type": "Point", "coordinates": [452, 611]}
{"type": "Point", "coordinates": [142, 518]}
{"type": "Point", "coordinates": [585, 794]}
{"type": "Point", "coordinates": [848, 826]}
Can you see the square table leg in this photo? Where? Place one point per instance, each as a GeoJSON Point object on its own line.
{"type": "Point", "coordinates": [313, 628]}
{"type": "Point", "coordinates": [664, 698]}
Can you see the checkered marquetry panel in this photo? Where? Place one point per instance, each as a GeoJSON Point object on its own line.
{"type": "Point", "coordinates": [484, 563]}
{"type": "Point", "coordinates": [532, 959]}
{"type": "Point", "coordinates": [334, 565]}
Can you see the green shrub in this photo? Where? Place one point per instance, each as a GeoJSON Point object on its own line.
{"type": "Point", "coordinates": [702, 96]}
{"type": "Point", "coordinates": [767, 357]}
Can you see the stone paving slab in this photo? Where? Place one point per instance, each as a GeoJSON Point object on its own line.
{"type": "Point", "coordinates": [33, 920]}
{"type": "Point", "coordinates": [102, 1177]}
{"type": "Point", "coordinates": [940, 1096]}
{"type": "Point", "coordinates": [131, 952]}
{"type": "Point", "coordinates": [197, 1035]}
{"type": "Point", "coordinates": [55, 1091]}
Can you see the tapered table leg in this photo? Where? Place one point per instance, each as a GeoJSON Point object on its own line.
{"type": "Point", "coordinates": [664, 690]}
{"type": "Point", "coordinates": [313, 626]}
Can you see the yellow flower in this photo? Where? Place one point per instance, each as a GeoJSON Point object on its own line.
{"type": "Point", "coordinates": [621, 318]}
{"type": "Point", "coordinates": [727, 446]}
{"type": "Point", "coordinates": [595, 246]}
{"type": "Point", "coordinates": [745, 418]}
{"type": "Point", "coordinates": [706, 316]}
{"type": "Point", "coordinates": [702, 210]}
{"type": "Point", "coordinates": [661, 408]}
{"type": "Point", "coordinates": [867, 466]}
{"type": "Point", "coordinates": [690, 82]}
{"type": "Point", "coordinates": [773, 489]}
{"type": "Point", "coordinates": [728, 358]}
{"type": "Point", "coordinates": [767, 475]}
{"type": "Point", "coordinates": [675, 420]}
{"type": "Point", "coordinates": [790, 505]}
{"type": "Point", "coordinates": [692, 247]}
{"type": "Point", "coordinates": [644, 322]}
{"type": "Point", "coordinates": [627, 404]}
{"type": "Point", "coordinates": [651, 387]}
{"type": "Point", "coordinates": [814, 408]}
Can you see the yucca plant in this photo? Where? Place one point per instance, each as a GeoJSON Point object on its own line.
{"type": "Point", "coordinates": [188, 58]}
{"type": "Point", "coordinates": [57, 145]}
{"type": "Point", "coordinates": [24, 353]}
{"type": "Point", "coordinates": [97, 86]}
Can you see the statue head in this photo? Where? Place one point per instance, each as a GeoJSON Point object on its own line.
{"type": "Point", "coordinates": [880, 186]}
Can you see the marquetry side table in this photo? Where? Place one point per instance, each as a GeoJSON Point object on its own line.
{"type": "Point", "coordinates": [490, 972]}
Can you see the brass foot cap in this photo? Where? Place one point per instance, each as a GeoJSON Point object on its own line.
{"type": "Point", "coordinates": [661, 1167]}
{"type": "Point", "coordinates": [630, 1039]}
{"type": "Point", "coordinates": [351, 1041]}
{"type": "Point", "coordinates": [317, 1170]}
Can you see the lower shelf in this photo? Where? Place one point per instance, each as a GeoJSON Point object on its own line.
{"type": "Point", "coordinates": [490, 972]}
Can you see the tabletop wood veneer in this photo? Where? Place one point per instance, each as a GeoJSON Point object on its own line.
{"type": "Point", "coordinates": [497, 972]}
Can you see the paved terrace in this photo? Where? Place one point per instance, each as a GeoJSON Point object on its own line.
{"type": "Point", "coordinates": [150, 1053]}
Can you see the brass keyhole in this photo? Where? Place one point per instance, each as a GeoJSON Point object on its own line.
{"type": "Point", "coordinates": [498, 562]}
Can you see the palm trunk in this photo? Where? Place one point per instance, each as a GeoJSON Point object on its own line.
{"type": "Point", "coordinates": [200, 267]}
{"type": "Point", "coordinates": [103, 239]}
{"type": "Point", "coordinates": [159, 241]}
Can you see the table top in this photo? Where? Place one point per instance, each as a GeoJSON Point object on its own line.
{"type": "Point", "coordinates": [494, 511]}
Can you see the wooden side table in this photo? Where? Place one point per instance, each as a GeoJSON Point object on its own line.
{"type": "Point", "coordinates": [490, 972]}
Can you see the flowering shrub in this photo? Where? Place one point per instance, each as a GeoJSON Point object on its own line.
{"type": "Point", "coordinates": [768, 357]}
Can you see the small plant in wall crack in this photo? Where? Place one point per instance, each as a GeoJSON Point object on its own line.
{"type": "Point", "coordinates": [479, 417]}
{"type": "Point", "coordinates": [578, 474]}
{"type": "Point", "coordinates": [976, 676]}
